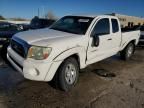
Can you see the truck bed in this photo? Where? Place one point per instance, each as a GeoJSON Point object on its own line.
{"type": "Point", "coordinates": [129, 35]}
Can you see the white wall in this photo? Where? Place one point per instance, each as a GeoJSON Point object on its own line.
{"type": "Point", "coordinates": [16, 22]}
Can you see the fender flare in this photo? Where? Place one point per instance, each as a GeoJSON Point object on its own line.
{"type": "Point", "coordinates": [79, 51]}
{"type": "Point", "coordinates": [126, 43]}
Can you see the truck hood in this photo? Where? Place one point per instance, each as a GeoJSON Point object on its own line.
{"type": "Point", "coordinates": [43, 36]}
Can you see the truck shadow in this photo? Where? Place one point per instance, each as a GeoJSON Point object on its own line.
{"type": "Point", "coordinates": [104, 73]}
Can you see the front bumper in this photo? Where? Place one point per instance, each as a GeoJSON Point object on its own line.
{"type": "Point", "coordinates": [37, 70]}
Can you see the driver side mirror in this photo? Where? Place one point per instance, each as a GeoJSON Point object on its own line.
{"type": "Point", "coordinates": [96, 40]}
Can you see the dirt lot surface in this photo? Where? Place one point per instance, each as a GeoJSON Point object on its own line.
{"type": "Point", "coordinates": [122, 89]}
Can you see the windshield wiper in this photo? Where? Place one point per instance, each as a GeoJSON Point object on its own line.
{"type": "Point", "coordinates": [65, 30]}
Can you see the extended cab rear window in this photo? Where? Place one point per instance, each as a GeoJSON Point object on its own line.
{"type": "Point", "coordinates": [115, 25]}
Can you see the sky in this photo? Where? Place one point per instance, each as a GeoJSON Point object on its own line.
{"type": "Point", "coordinates": [29, 8]}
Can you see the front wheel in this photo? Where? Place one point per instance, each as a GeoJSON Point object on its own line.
{"type": "Point", "coordinates": [4, 51]}
{"type": "Point", "coordinates": [127, 53]}
{"type": "Point", "coordinates": [68, 73]}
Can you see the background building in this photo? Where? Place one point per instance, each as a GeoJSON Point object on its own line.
{"type": "Point", "coordinates": [129, 21]}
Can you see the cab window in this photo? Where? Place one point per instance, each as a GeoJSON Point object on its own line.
{"type": "Point", "coordinates": [115, 25]}
{"type": "Point", "coordinates": [102, 27]}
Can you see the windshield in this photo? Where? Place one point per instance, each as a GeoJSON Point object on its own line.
{"type": "Point", "coordinates": [73, 24]}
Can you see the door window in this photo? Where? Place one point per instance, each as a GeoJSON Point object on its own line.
{"type": "Point", "coordinates": [102, 27]}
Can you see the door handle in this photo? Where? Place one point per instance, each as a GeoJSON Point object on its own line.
{"type": "Point", "coordinates": [109, 39]}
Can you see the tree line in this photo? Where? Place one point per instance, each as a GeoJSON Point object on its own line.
{"type": "Point", "coordinates": [48, 15]}
{"type": "Point", "coordinates": [2, 18]}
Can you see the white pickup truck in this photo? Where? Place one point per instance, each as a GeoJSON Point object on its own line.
{"type": "Point", "coordinates": [70, 44]}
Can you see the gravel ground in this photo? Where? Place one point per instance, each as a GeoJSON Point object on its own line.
{"type": "Point", "coordinates": [122, 89]}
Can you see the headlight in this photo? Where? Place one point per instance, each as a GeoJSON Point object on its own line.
{"type": "Point", "coordinates": [39, 53]}
{"type": "Point", "coordinates": [3, 39]}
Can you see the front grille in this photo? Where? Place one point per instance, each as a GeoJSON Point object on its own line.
{"type": "Point", "coordinates": [18, 48]}
{"type": "Point", "coordinates": [16, 63]}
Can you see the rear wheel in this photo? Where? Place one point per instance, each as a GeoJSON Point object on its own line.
{"type": "Point", "coordinates": [67, 75]}
{"type": "Point", "coordinates": [127, 53]}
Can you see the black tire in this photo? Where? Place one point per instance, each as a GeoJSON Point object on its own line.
{"type": "Point", "coordinates": [125, 55]}
{"type": "Point", "coordinates": [60, 77]}
{"type": "Point", "coordinates": [4, 51]}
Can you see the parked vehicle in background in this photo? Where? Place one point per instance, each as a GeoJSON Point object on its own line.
{"type": "Point", "coordinates": [38, 23]}
{"type": "Point", "coordinates": [7, 30]}
{"type": "Point", "coordinates": [72, 43]}
{"type": "Point", "coordinates": [24, 26]}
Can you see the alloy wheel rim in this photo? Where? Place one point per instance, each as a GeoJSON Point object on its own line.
{"type": "Point", "coordinates": [130, 51]}
{"type": "Point", "coordinates": [70, 74]}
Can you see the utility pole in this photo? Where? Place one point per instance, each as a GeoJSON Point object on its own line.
{"type": "Point", "coordinates": [43, 11]}
{"type": "Point", "coordinates": [38, 12]}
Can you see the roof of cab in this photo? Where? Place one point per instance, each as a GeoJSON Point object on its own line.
{"type": "Point", "coordinates": [84, 15]}
{"type": "Point", "coordinates": [89, 15]}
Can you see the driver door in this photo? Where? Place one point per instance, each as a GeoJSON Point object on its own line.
{"type": "Point", "coordinates": [100, 41]}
